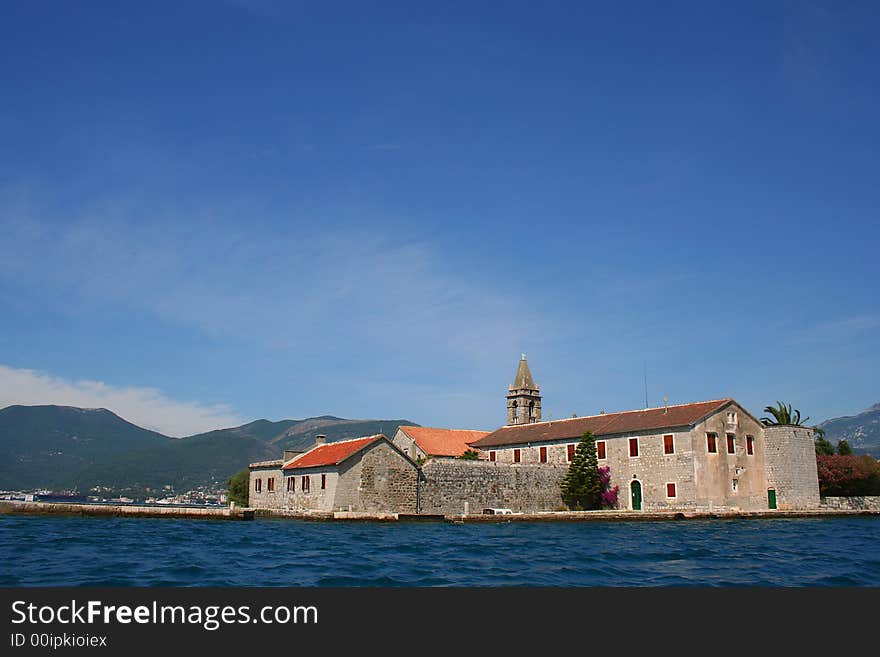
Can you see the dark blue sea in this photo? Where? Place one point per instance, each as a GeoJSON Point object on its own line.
{"type": "Point", "coordinates": [73, 551]}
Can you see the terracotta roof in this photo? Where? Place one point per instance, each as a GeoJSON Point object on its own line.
{"type": "Point", "coordinates": [332, 453]}
{"type": "Point", "coordinates": [603, 425]}
{"type": "Point", "coordinates": [443, 442]}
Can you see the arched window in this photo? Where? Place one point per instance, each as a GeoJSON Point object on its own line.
{"type": "Point", "coordinates": [515, 411]}
{"type": "Point", "coordinates": [531, 409]}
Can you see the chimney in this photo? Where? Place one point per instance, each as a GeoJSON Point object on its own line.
{"type": "Point", "coordinates": [291, 453]}
{"type": "Point", "coordinates": [320, 439]}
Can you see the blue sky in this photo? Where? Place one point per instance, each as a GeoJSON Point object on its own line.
{"type": "Point", "coordinates": [212, 212]}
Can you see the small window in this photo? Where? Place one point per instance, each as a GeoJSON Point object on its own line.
{"type": "Point", "coordinates": [306, 484]}
{"type": "Point", "coordinates": [270, 484]}
{"type": "Point", "coordinates": [258, 485]}
{"type": "Point", "coordinates": [750, 445]}
{"type": "Point", "coordinates": [735, 485]}
{"type": "Point", "coordinates": [491, 456]}
{"type": "Point", "coordinates": [600, 449]}
{"type": "Point", "coordinates": [291, 484]}
{"type": "Point", "coordinates": [543, 455]}
{"type": "Point", "coordinates": [633, 446]}
{"type": "Point", "coordinates": [731, 444]}
{"type": "Point", "coordinates": [323, 481]}
{"type": "Point", "coordinates": [712, 443]}
{"type": "Point", "coordinates": [732, 418]}
{"type": "Point", "coordinates": [668, 444]}
{"type": "Point", "coordinates": [516, 454]}
{"type": "Point", "coordinates": [571, 449]}
{"type": "Point", "coordinates": [670, 490]}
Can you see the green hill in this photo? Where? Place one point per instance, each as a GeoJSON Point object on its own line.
{"type": "Point", "coordinates": [64, 448]}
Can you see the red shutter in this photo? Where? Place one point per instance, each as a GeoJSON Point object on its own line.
{"type": "Point", "coordinates": [491, 456]}
{"type": "Point", "coordinates": [710, 443]}
{"type": "Point", "coordinates": [668, 445]}
{"type": "Point", "coordinates": [516, 456]}
{"type": "Point", "coordinates": [571, 452]}
{"type": "Point", "coordinates": [750, 445]}
{"type": "Point", "coordinates": [323, 481]}
{"type": "Point", "coordinates": [543, 455]}
{"type": "Point", "coordinates": [633, 446]}
{"type": "Point", "coordinates": [731, 448]}
{"type": "Point", "coordinates": [600, 449]}
{"type": "Point", "coordinates": [670, 490]}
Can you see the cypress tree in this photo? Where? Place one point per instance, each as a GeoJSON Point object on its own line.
{"type": "Point", "coordinates": [581, 487]}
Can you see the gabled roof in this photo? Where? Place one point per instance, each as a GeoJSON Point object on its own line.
{"type": "Point", "coordinates": [606, 424]}
{"type": "Point", "coordinates": [332, 453]}
{"type": "Point", "coordinates": [443, 442]}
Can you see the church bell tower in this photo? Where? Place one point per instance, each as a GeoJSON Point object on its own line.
{"type": "Point", "coordinates": [523, 397]}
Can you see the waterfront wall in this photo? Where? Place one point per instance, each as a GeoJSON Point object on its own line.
{"type": "Point", "coordinates": [852, 503]}
{"type": "Point", "coordinates": [9, 507]}
{"type": "Point", "coordinates": [448, 484]}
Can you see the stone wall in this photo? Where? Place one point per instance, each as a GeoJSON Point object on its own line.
{"type": "Point", "coordinates": [448, 484]}
{"type": "Point", "coordinates": [790, 455]}
{"type": "Point", "coordinates": [388, 480]}
{"type": "Point", "coordinates": [851, 503]}
{"type": "Point", "coordinates": [266, 499]}
{"type": "Point", "coordinates": [316, 498]}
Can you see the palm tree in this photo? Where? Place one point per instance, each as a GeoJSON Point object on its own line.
{"type": "Point", "coordinates": [782, 414]}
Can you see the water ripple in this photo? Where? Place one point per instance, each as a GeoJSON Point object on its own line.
{"type": "Point", "coordinates": [72, 551]}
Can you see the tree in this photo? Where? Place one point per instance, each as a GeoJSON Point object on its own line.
{"type": "Point", "coordinates": [238, 487]}
{"type": "Point", "coordinates": [846, 476]}
{"type": "Point", "coordinates": [586, 485]}
{"type": "Point", "coordinates": [469, 455]}
{"type": "Point", "coordinates": [824, 447]}
{"type": "Point", "coordinates": [844, 449]}
{"type": "Point", "coordinates": [783, 414]}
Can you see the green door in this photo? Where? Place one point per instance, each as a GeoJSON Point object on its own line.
{"type": "Point", "coordinates": [636, 489]}
{"type": "Point", "coordinates": [771, 498]}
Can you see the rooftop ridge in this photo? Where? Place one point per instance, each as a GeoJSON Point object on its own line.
{"type": "Point", "coordinates": [598, 415]}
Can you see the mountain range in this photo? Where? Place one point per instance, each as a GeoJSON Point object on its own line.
{"type": "Point", "coordinates": [65, 448]}
{"type": "Point", "coordinates": [861, 431]}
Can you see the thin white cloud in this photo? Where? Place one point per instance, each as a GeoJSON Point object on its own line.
{"type": "Point", "coordinates": [146, 407]}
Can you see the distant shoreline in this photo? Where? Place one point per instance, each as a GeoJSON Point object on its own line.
{"type": "Point", "coordinates": [15, 507]}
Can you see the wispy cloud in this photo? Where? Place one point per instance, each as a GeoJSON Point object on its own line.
{"type": "Point", "coordinates": [331, 298]}
{"type": "Point", "coordinates": [146, 407]}
{"type": "Point", "coordinates": [838, 329]}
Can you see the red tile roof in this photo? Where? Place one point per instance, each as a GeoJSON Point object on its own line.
{"type": "Point", "coordinates": [443, 442]}
{"type": "Point", "coordinates": [603, 425]}
{"type": "Point", "coordinates": [331, 453]}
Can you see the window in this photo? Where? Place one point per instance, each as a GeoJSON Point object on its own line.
{"type": "Point", "coordinates": [712, 442]}
{"type": "Point", "coordinates": [543, 455]}
{"type": "Point", "coordinates": [258, 485]}
{"type": "Point", "coordinates": [750, 445]}
{"type": "Point", "coordinates": [571, 449]}
{"type": "Point", "coordinates": [735, 485]}
{"type": "Point", "coordinates": [633, 446]}
{"type": "Point", "coordinates": [516, 456]}
{"type": "Point", "coordinates": [731, 446]}
{"type": "Point", "coordinates": [306, 484]}
{"type": "Point", "coordinates": [323, 481]}
{"type": "Point", "coordinates": [670, 490]}
{"type": "Point", "coordinates": [270, 484]}
{"type": "Point", "coordinates": [491, 456]}
{"type": "Point", "coordinates": [600, 449]}
{"type": "Point", "coordinates": [732, 419]}
{"type": "Point", "coordinates": [291, 484]}
{"type": "Point", "coordinates": [668, 444]}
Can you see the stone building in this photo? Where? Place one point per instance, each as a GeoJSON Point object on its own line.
{"type": "Point", "coordinates": [702, 455]}
{"type": "Point", "coordinates": [696, 456]}
{"type": "Point", "coordinates": [366, 474]}
{"type": "Point", "coordinates": [427, 442]}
